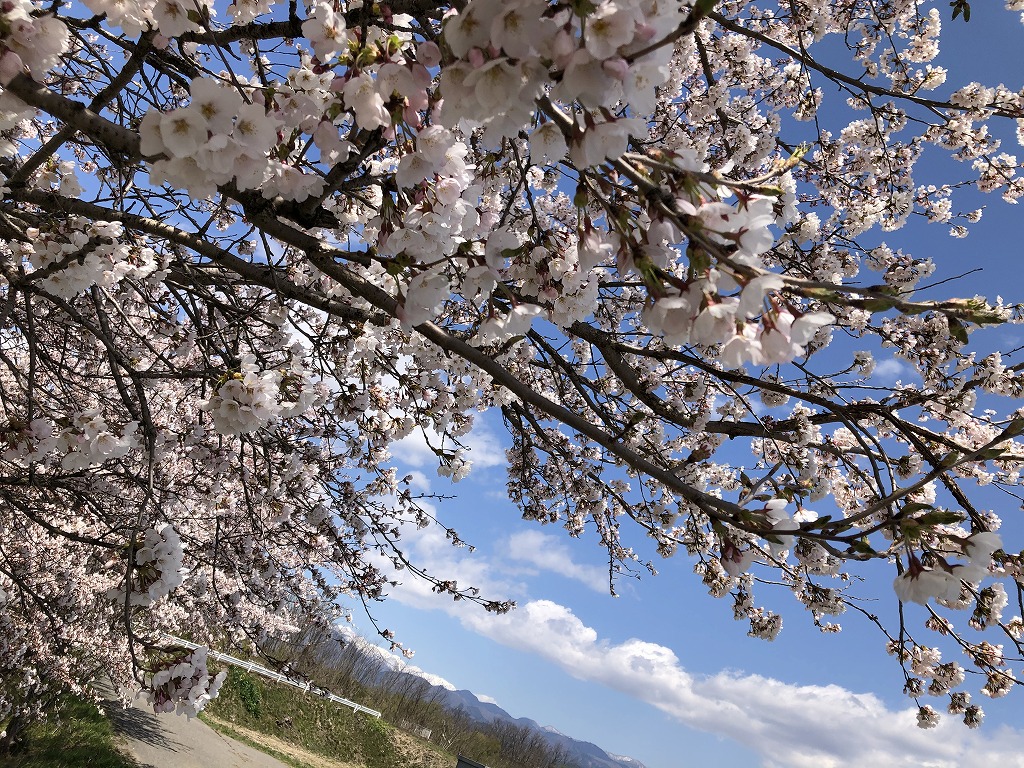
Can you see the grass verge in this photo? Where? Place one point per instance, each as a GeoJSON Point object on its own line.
{"type": "Point", "coordinates": [315, 724]}
{"type": "Point", "coordinates": [81, 737]}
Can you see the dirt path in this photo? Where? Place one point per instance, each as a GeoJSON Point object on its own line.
{"type": "Point", "coordinates": [309, 758]}
{"type": "Point", "coordinates": [170, 741]}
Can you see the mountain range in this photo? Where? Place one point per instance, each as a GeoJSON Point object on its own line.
{"type": "Point", "coordinates": [583, 753]}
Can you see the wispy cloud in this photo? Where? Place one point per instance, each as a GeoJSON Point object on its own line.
{"type": "Point", "coordinates": [551, 553]}
{"type": "Point", "coordinates": [414, 450]}
{"type": "Point", "coordinates": [484, 448]}
{"type": "Point", "coordinates": [418, 481]}
{"type": "Point", "coordinates": [888, 372]}
{"type": "Point", "coordinates": [432, 550]}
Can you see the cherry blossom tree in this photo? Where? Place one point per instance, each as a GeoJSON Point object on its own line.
{"type": "Point", "coordinates": [246, 248]}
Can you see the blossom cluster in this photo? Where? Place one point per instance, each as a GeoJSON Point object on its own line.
{"type": "Point", "coordinates": [602, 54]}
{"type": "Point", "coordinates": [78, 254]}
{"type": "Point", "coordinates": [928, 674]}
{"type": "Point", "coordinates": [158, 567]}
{"type": "Point", "coordinates": [171, 17]}
{"type": "Point", "coordinates": [945, 582]}
{"type": "Point", "coordinates": [252, 398]}
{"type": "Point", "coordinates": [776, 542]}
{"type": "Point", "coordinates": [29, 40]}
{"type": "Point", "coordinates": [183, 686]}
{"type": "Point", "coordinates": [88, 441]}
{"type": "Point", "coordinates": [218, 138]}
{"type": "Point", "coordinates": [705, 314]}
{"type": "Point", "coordinates": [246, 401]}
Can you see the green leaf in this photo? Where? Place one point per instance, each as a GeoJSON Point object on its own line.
{"type": "Point", "coordinates": [942, 517]}
{"type": "Point", "coordinates": [915, 506]}
{"type": "Point", "coordinates": [861, 547]}
{"type": "Point", "coordinates": [957, 330]}
{"type": "Point", "coordinates": [961, 7]}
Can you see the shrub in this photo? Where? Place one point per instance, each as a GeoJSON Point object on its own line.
{"type": "Point", "coordinates": [378, 747]}
{"type": "Point", "coordinates": [248, 691]}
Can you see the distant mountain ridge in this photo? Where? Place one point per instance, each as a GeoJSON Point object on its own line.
{"type": "Point", "coordinates": [585, 754]}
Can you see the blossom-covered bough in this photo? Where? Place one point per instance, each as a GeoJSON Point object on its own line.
{"type": "Point", "coordinates": [248, 247]}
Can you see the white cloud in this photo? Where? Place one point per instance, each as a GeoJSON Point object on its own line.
{"type": "Point", "coordinates": [888, 372]}
{"type": "Point", "coordinates": [486, 699]}
{"type": "Point", "coordinates": [414, 450]}
{"type": "Point", "coordinates": [797, 726]}
{"type": "Point", "coordinates": [419, 481]}
{"type": "Point", "coordinates": [432, 551]}
{"type": "Point", "coordinates": [484, 448]}
{"type": "Point", "coordinates": [789, 726]}
{"type": "Point", "coordinates": [550, 553]}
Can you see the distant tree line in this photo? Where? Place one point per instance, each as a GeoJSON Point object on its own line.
{"type": "Point", "coordinates": [352, 669]}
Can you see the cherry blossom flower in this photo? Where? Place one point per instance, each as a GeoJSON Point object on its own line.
{"type": "Point", "coordinates": [172, 17]}
{"type": "Point", "coordinates": [216, 103]}
{"type": "Point", "coordinates": [183, 131]}
{"type": "Point", "coordinates": [608, 28]}
{"type": "Point", "coordinates": [362, 97]}
{"type": "Point", "coordinates": [927, 583]}
{"type": "Point", "coordinates": [547, 144]}
{"type": "Point", "coordinates": [326, 30]}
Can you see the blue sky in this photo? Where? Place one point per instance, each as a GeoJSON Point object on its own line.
{"type": "Point", "coordinates": [663, 673]}
{"type": "Point", "coordinates": [663, 666]}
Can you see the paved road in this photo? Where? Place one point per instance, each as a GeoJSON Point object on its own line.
{"type": "Point", "coordinates": [170, 741]}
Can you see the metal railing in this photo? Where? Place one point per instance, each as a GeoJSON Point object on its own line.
{"type": "Point", "coordinates": [306, 685]}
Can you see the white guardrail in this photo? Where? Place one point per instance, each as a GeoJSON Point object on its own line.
{"type": "Point", "coordinates": [307, 686]}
